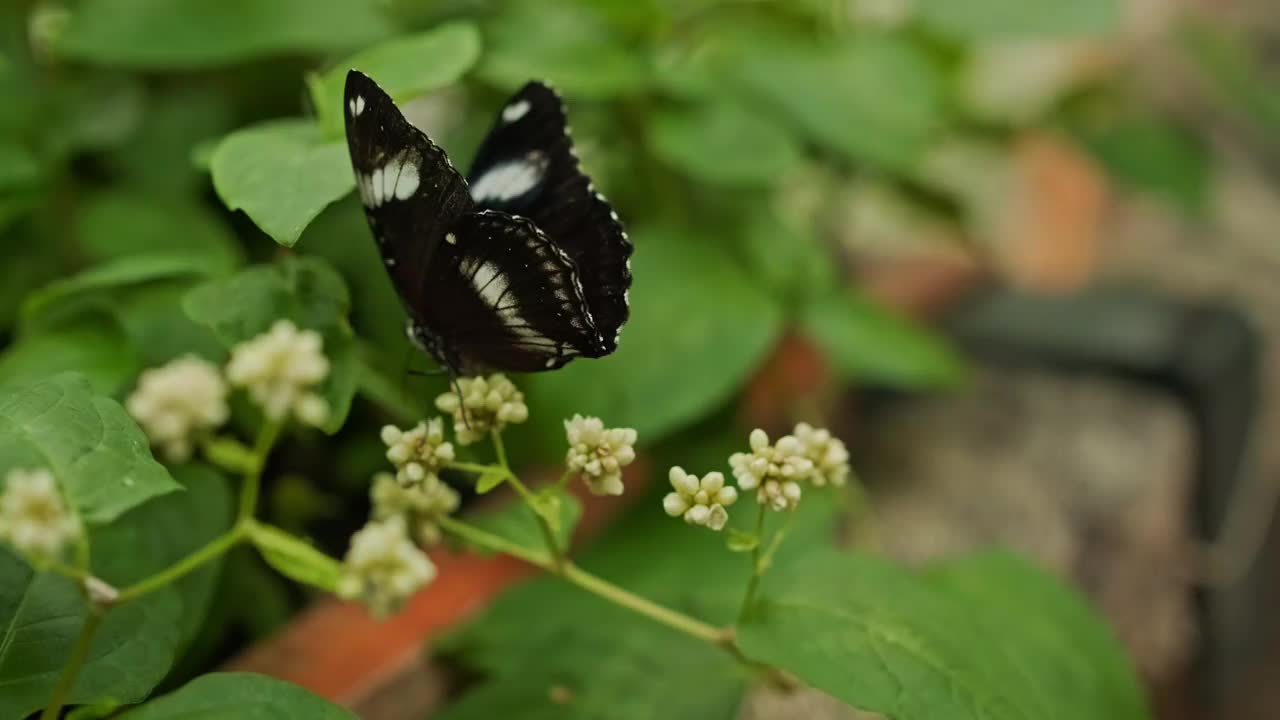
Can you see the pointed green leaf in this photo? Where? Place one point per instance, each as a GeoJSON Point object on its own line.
{"type": "Point", "coordinates": [294, 558]}
{"type": "Point", "coordinates": [741, 541]}
{"type": "Point", "coordinates": [281, 174]}
{"type": "Point", "coordinates": [239, 695]}
{"type": "Point", "coordinates": [490, 479]}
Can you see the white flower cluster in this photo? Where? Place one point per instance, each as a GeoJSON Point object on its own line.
{"type": "Point", "coordinates": [773, 471]}
{"type": "Point", "coordinates": [418, 453]}
{"type": "Point", "coordinates": [421, 504]}
{"type": "Point", "coordinates": [828, 454]}
{"type": "Point", "coordinates": [383, 567]}
{"type": "Point", "coordinates": [598, 453]}
{"type": "Point", "coordinates": [482, 404]}
{"type": "Point", "coordinates": [34, 518]}
{"type": "Point", "coordinates": [700, 502]}
{"type": "Point", "coordinates": [281, 368]}
{"type": "Point", "coordinates": [177, 402]}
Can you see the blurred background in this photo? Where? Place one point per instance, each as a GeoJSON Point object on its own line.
{"type": "Point", "coordinates": [1023, 255]}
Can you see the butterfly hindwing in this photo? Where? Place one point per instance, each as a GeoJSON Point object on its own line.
{"type": "Point", "coordinates": [410, 190]}
{"type": "Point", "coordinates": [526, 166]}
{"type": "Point", "coordinates": [531, 314]}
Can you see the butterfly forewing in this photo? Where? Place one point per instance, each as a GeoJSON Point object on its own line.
{"type": "Point", "coordinates": [411, 193]}
{"type": "Point", "coordinates": [526, 166]}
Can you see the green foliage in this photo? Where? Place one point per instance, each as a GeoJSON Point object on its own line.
{"type": "Point", "coordinates": [99, 351]}
{"type": "Point", "coordinates": [723, 143]}
{"type": "Point", "coordinates": [116, 224]}
{"type": "Point", "coordinates": [281, 174]}
{"type": "Point", "coordinates": [305, 290]}
{"type": "Point", "coordinates": [87, 441]}
{"type": "Point", "coordinates": [985, 636]}
{"type": "Point", "coordinates": [978, 20]}
{"type": "Point", "coordinates": [1158, 157]}
{"type": "Point", "coordinates": [239, 695]}
{"type": "Point", "coordinates": [174, 34]}
{"type": "Point", "coordinates": [295, 559]}
{"type": "Point", "coordinates": [866, 342]}
{"type": "Point", "coordinates": [137, 643]}
{"type": "Point", "coordinates": [405, 67]}
{"type": "Point", "coordinates": [95, 285]}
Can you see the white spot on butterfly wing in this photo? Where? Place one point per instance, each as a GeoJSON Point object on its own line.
{"type": "Point", "coordinates": [406, 181]}
{"type": "Point", "coordinates": [515, 111]}
{"type": "Point", "coordinates": [451, 238]}
{"type": "Point", "coordinates": [508, 180]}
{"type": "Point", "coordinates": [375, 188]}
{"type": "Point", "coordinates": [490, 283]}
{"type": "Point", "coordinates": [356, 105]}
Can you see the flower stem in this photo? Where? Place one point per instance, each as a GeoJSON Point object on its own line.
{"type": "Point", "coordinates": [209, 551]}
{"type": "Point", "coordinates": [490, 541]}
{"type": "Point", "coordinates": [544, 525]}
{"type": "Point", "coordinates": [267, 436]}
{"type": "Point", "coordinates": [756, 568]}
{"type": "Point", "coordinates": [70, 671]}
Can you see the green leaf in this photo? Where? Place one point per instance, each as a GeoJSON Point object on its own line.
{"type": "Point", "coordinates": [569, 46]}
{"type": "Point", "coordinates": [294, 558]}
{"type": "Point", "coordinates": [792, 263]}
{"type": "Point", "coordinates": [104, 708]}
{"type": "Point", "coordinates": [89, 443]}
{"type": "Point", "coordinates": [1238, 72]}
{"type": "Point", "coordinates": [302, 289]}
{"type": "Point", "coordinates": [99, 350]}
{"type": "Point", "coordinates": [230, 455]}
{"type": "Point", "coordinates": [170, 35]}
{"type": "Point", "coordinates": [116, 224]}
{"type": "Point", "coordinates": [281, 174]}
{"type": "Point", "coordinates": [868, 343]}
{"type": "Point", "coordinates": [977, 20]}
{"type": "Point", "coordinates": [740, 541]}
{"type": "Point", "coordinates": [977, 638]}
{"type": "Point", "coordinates": [239, 695]}
{"type": "Point", "coordinates": [90, 286]}
{"type": "Point", "coordinates": [699, 326]}
{"type": "Point", "coordinates": [19, 168]}
{"type": "Point", "coordinates": [1155, 156]}
{"type": "Point", "coordinates": [723, 143]}
{"type": "Point", "coordinates": [405, 67]}
{"type": "Point", "coordinates": [515, 520]}
{"type": "Point", "coordinates": [489, 480]}
{"type": "Point", "coordinates": [877, 101]}
{"type": "Point", "coordinates": [137, 643]}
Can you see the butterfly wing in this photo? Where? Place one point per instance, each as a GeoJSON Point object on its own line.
{"type": "Point", "coordinates": [526, 166]}
{"type": "Point", "coordinates": [484, 289]}
{"type": "Point", "coordinates": [411, 193]}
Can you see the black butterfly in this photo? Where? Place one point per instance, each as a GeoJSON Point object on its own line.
{"type": "Point", "coordinates": [522, 266]}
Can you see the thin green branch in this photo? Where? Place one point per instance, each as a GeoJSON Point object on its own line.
{"type": "Point", "coordinates": [544, 525]}
{"type": "Point", "coordinates": [753, 584]}
{"type": "Point", "coordinates": [209, 551]}
{"type": "Point", "coordinates": [249, 489]}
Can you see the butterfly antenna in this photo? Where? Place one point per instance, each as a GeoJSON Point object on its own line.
{"type": "Point", "coordinates": [457, 390]}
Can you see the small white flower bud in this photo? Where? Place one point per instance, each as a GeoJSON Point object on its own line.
{"type": "Point", "coordinates": [34, 518]}
{"type": "Point", "coordinates": [482, 404]}
{"type": "Point", "coordinates": [598, 454]}
{"type": "Point", "coordinates": [421, 505]}
{"type": "Point", "coordinates": [280, 368]}
{"type": "Point", "coordinates": [771, 470]}
{"type": "Point", "coordinates": [418, 453]}
{"type": "Point", "coordinates": [829, 455]}
{"type": "Point", "coordinates": [383, 567]}
{"type": "Point", "coordinates": [700, 502]}
{"type": "Point", "coordinates": [178, 402]}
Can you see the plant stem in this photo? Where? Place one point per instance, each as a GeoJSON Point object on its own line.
{"type": "Point", "coordinates": [209, 551]}
{"type": "Point", "coordinates": [591, 583]}
{"type": "Point", "coordinates": [476, 468]}
{"type": "Point", "coordinates": [544, 525]}
{"type": "Point", "coordinates": [756, 569]}
{"type": "Point", "coordinates": [70, 671]}
{"type": "Point", "coordinates": [267, 436]}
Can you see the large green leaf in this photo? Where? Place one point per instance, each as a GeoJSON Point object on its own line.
{"type": "Point", "coordinates": [984, 637]}
{"type": "Point", "coordinates": [723, 143]}
{"type": "Point", "coordinates": [115, 224]}
{"type": "Point", "coordinates": [282, 174]}
{"type": "Point", "coordinates": [137, 643]}
{"type": "Point", "coordinates": [699, 326]}
{"type": "Point", "coordinates": [88, 442]}
{"type": "Point", "coordinates": [178, 34]}
{"type": "Point", "coordinates": [98, 350]}
{"type": "Point", "coordinates": [302, 289]}
{"type": "Point", "coordinates": [994, 19]}
{"type": "Point", "coordinates": [405, 67]}
{"type": "Point", "coordinates": [876, 101]}
{"type": "Point", "coordinates": [869, 343]}
{"type": "Point", "coordinates": [244, 696]}
{"type": "Point", "coordinates": [569, 46]}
